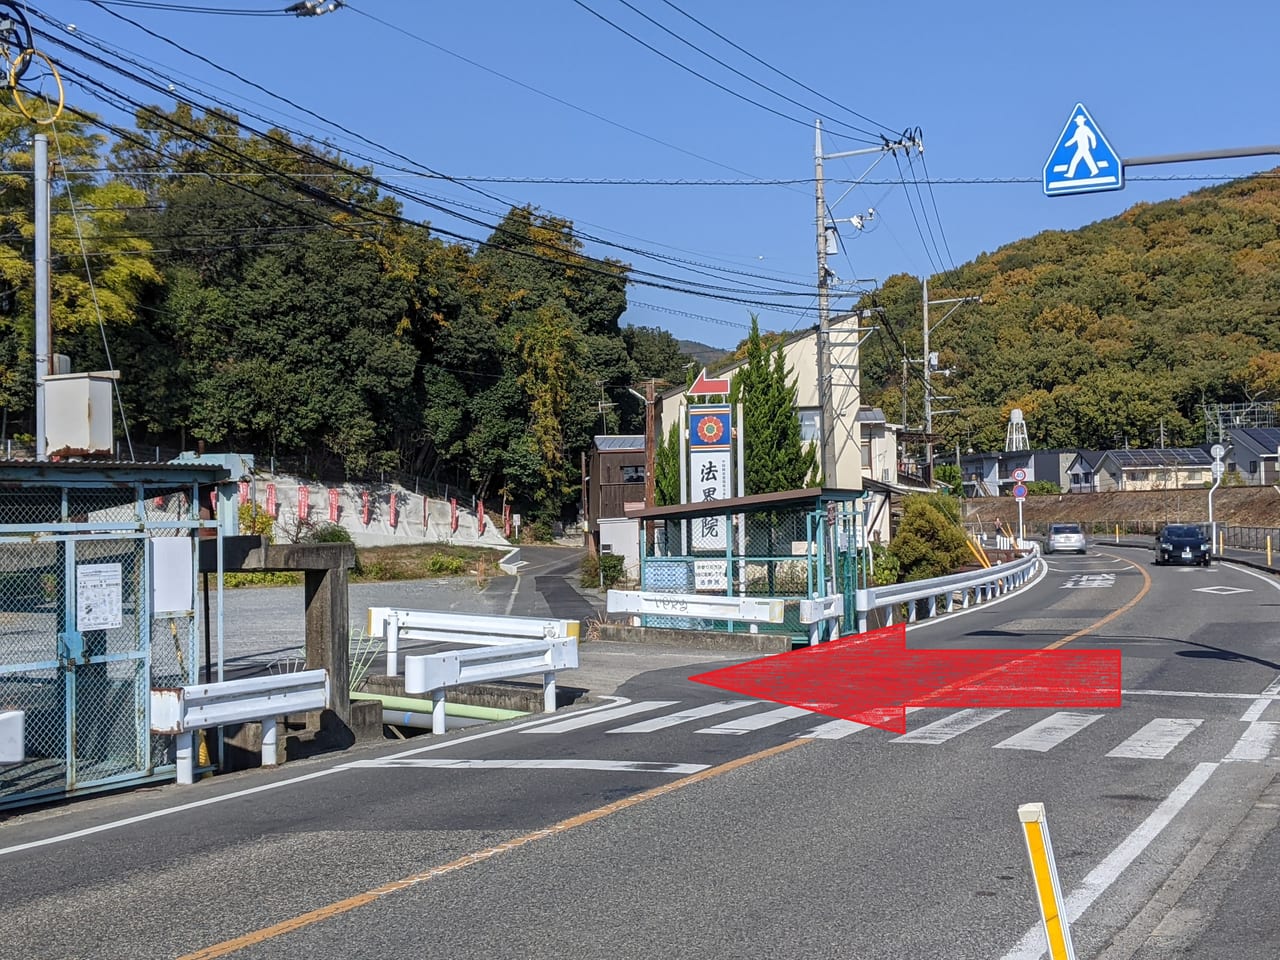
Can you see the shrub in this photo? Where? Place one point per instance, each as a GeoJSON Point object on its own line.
{"type": "Point", "coordinates": [255, 521]}
{"type": "Point", "coordinates": [590, 571]}
{"type": "Point", "coordinates": [442, 565]}
{"type": "Point", "coordinates": [327, 533]}
{"type": "Point", "coordinates": [539, 531]}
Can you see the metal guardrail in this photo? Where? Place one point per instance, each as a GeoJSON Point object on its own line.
{"type": "Point", "coordinates": [434, 673]}
{"type": "Point", "coordinates": [815, 614]}
{"type": "Point", "coordinates": [396, 624]}
{"type": "Point", "coordinates": [960, 589]}
{"type": "Point", "coordinates": [752, 610]}
{"type": "Point", "coordinates": [179, 711]}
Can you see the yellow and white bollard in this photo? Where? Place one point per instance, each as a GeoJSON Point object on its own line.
{"type": "Point", "coordinates": [1048, 887]}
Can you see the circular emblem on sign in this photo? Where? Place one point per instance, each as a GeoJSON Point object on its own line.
{"type": "Point", "coordinates": [710, 429]}
{"type": "Point", "coordinates": [1019, 475]}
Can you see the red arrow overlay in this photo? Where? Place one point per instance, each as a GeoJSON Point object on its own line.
{"type": "Point", "coordinates": [704, 386]}
{"type": "Point", "coordinates": [872, 677]}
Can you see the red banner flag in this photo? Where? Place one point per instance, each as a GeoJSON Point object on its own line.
{"type": "Point", "coordinates": [304, 503]}
{"type": "Point", "coordinates": [244, 492]}
{"type": "Point", "coordinates": [213, 502]}
{"type": "Point", "coordinates": [334, 499]}
{"type": "Point", "coordinates": [506, 520]}
{"type": "Point", "coordinates": [364, 510]}
{"type": "Point", "coordinates": [391, 517]}
{"type": "Point", "coordinates": [271, 499]}
{"type": "Point", "coordinates": [480, 517]}
{"type": "Point", "coordinates": [453, 514]}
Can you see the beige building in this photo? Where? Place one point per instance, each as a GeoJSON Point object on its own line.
{"type": "Point", "coordinates": [1163, 468]}
{"type": "Point", "coordinates": [864, 442]}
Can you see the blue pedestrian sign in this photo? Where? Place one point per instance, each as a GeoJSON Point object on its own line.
{"type": "Point", "coordinates": [1083, 161]}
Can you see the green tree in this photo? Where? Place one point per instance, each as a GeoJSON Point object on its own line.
{"type": "Point", "coordinates": [776, 458]}
{"type": "Point", "coordinates": [929, 541]}
{"type": "Point", "coordinates": [551, 350]}
{"type": "Point", "coordinates": [666, 470]}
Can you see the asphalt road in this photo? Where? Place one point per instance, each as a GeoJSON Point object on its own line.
{"type": "Point", "coordinates": [666, 822]}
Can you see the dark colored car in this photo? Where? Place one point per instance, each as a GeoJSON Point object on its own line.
{"type": "Point", "coordinates": [1183, 543]}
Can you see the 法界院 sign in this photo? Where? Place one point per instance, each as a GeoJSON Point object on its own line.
{"type": "Point", "coordinates": [710, 470]}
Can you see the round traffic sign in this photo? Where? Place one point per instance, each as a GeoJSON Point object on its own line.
{"type": "Point", "coordinates": [1019, 475]}
{"type": "Point", "coordinates": [1020, 492]}
{"type": "Point", "coordinates": [1217, 450]}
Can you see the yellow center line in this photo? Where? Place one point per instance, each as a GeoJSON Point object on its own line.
{"type": "Point", "coordinates": [1146, 587]}
{"type": "Point", "coordinates": [479, 856]}
{"type": "Point", "coordinates": [995, 671]}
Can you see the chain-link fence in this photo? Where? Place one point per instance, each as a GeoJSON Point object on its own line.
{"type": "Point", "coordinates": [80, 645]}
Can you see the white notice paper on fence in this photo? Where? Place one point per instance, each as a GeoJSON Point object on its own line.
{"type": "Point", "coordinates": [99, 596]}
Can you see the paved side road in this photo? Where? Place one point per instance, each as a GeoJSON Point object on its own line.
{"type": "Point", "coordinates": [262, 625]}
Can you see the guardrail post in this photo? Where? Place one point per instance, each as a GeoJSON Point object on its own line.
{"type": "Point", "coordinates": [186, 766]}
{"type": "Point", "coordinates": [437, 712]}
{"type": "Point", "coordinates": [549, 692]}
{"type": "Point", "coordinates": [393, 644]}
{"type": "Point", "coordinates": [268, 741]}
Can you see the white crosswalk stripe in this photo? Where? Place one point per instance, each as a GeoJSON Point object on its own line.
{"type": "Point", "coordinates": [1046, 734]}
{"type": "Point", "coordinates": [940, 731]}
{"type": "Point", "coordinates": [1156, 739]}
{"type": "Point", "coordinates": [1256, 742]}
{"type": "Point", "coordinates": [839, 729]}
{"type": "Point", "coordinates": [604, 716]}
{"type": "Point", "coordinates": [757, 721]}
{"type": "Point", "coordinates": [684, 716]}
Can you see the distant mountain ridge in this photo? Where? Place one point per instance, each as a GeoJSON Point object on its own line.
{"type": "Point", "coordinates": [1117, 332]}
{"type": "Point", "coordinates": [706, 355]}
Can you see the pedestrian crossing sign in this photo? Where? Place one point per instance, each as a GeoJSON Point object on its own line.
{"type": "Point", "coordinates": [1082, 161]}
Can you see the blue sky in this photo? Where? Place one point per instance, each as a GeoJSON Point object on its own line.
{"type": "Point", "coordinates": [989, 86]}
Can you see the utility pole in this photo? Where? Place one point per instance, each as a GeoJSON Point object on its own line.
{"type": "Point", "coordinates": [928, 400]}
{"type": "Point", "coordinates": [928, 366]}
{"type": "Point", "coordinates": [824, 330]}
{"type": "Point", "coordinates": [824, 224]}
{"type": "Point", "coordinates": [44, 331]}
{"type": "Point", "coordinates": [650, 453]}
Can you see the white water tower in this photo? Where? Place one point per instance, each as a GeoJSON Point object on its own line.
{"type": "Point", "coordinates": [1015, 436]}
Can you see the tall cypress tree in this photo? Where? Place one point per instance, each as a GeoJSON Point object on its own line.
{"type": "Point", "coordinates": [776, 458]}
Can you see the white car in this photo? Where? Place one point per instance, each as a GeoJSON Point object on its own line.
{"type": "Point", "coordinates": [1065, 537]}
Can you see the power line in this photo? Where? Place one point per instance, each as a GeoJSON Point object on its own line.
{"type": "Point", "coordinates": [586, 263]}
{"type": "Point", "coordinates": [780, 73]}
{"type": "Point", "coordinates": [688, 69]}
{"type": "Point", "coordinates": [183, 8]}
{"type": "Point", "coordinates": [542, 93]}
{"type": "Point", "coordinates": [345, 172]}
{"type": "Point", "coordinates": [735, 71]}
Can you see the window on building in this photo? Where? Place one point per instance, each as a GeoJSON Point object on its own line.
{"type": "Point", "coordinates": [1138, 475]}
{"type": "Point", "coordinates": [810, 423]}
{"type": "Point", "coordinates": [633, 474]}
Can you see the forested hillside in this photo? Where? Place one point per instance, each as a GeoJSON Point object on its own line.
{"type": "Point", "coordinates": [1102, 334]}
{"type": "Point", "coordinates": [262, 296]}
